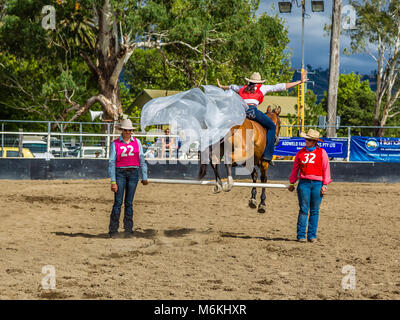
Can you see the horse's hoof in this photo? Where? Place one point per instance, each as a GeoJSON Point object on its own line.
{"type": "Point", "coordinates": [217, 188]}
{"type": "Point", "coordinates": [228, 185]}
{"type": "Point", "coordinates": [262, 208]}
{"type": "Point", "coordinates": [253, 203]}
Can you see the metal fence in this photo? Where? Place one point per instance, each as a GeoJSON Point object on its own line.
{"type": "Point", "coordinates": [74, 140]}
{"type": "Point", "coordinates": [77, 139]}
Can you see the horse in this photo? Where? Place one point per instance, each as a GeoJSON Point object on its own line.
{"type": "Point", "coordinates": [239, 152]}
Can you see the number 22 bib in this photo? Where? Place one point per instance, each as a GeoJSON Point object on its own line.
{"type": "Point", "coordinates": [127, 154]}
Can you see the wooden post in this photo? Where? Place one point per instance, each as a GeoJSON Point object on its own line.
{"type": "Point", "coordinates": [20, 138]}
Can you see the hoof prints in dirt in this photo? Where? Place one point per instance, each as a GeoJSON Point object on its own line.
{"type": "Point", "coordinates": [244, 236]}
{"type": "Point", "coordinates": [131, 254]}
{"type": "Point", "coordinates": [56, 295]}
{"type": "Point", "coordinates": [54, 200]}
{"type": "Point", "coordinates": [145, 234]}
{"type": "Point", "coordinates": [178, 232]}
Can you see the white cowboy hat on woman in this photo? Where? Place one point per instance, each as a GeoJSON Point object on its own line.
{"type": "Point", "coordinates": [126, 124]}
{"type": "Point", "coordinates": [311, 134]}
{"type": "Point", "coordinates": [255, 78]}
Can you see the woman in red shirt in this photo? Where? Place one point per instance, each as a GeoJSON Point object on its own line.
{"type": "Point", "coordinates": [313, 164]}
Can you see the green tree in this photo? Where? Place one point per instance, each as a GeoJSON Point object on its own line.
{"type": "Point", "coordinates": [39, 78]}
{"type": "Point", "coordinates": [378, 26]}
{"type": "Point", "coordinates": [189, 43]}
{"type": "Point", "coordinates": [355, 104]}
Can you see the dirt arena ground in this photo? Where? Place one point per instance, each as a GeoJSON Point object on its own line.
{"type": "Point", "coordinates": [192, 244]}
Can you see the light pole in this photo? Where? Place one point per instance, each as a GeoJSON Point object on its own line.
{"type": "Point", "coordinates": [286, 7]}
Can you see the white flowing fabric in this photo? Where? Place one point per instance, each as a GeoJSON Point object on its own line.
{"type": "Point", "coordinates": [196, 116]}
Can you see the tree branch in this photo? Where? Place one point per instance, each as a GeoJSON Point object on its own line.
{"type": "Point", "coordinates": [89, 103]}
{"type": "Point", "coordinates": [95, 71]}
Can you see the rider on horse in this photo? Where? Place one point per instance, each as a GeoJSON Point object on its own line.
{"type": "Point", "coordinates": [253, 94]}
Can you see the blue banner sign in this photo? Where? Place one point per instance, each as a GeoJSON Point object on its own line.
{"type": "Point", "coordinates": [335, 147]}
{"type": "Point", "coordinates": [375, 149]}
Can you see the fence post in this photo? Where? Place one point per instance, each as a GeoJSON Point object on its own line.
{"type": "Point", "coordinates": [62, 141]}
{"type": "Point", "coordinates": [80, 141]}
{"type": "Point", "coordinates": [348, 143]}
{"type": "Point", "coordinates": [2, 136]}
{"type": "Point", "coordinates": [108, 141]}
{"type": "Point", "coordinates": [48, 136]}
{"type": "Point", "coordinates": [20, 137]}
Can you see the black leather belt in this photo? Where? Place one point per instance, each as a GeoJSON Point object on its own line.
{"type": "Point", "coordinates": [127, 169]}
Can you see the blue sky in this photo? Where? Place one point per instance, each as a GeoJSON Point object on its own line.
{"type": "Point", "coordinates": [316, 42]}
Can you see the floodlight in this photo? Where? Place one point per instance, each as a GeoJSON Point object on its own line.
{"type": "Point", "coordinates": [285, 7]}
{"type": "Point", "coordinates": [317, 6]}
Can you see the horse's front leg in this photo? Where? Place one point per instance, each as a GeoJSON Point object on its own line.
{"type": "Point", "coordinates": [229, 183]}
{"type": "Point", "coordinates": [253, 200]}
{"type": "Point", "coordinates": [262, 206]}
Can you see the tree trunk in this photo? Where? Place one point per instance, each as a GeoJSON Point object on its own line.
{"type": "Point", "coordinates": [110, 59]}
{"type": "Point", "coordinates": [112, 110]}
{"type": "Point", "coordinates": [113, 107]}
{"type": "Point", "coordinates": [334, 69]}
{"type": "Point", "coordinates": [378, 92]}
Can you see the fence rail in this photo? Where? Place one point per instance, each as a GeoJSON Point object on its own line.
{"type": "Point", "coordinates": [48, 145]}
{"type": "Point", "coordinates": [60, 143]}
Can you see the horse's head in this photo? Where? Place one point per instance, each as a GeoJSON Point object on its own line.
{"type": "Point", "coordinates": [274, 116]}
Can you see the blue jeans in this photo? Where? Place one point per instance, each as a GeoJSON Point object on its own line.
{"type": "Point", "coordinates": [309, 194]}
{"type": "Point", "coordinates": [254, 114]}
{"type": "Point", "coordinates": [127, 182]}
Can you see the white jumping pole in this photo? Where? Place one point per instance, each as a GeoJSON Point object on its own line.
{"type": "Point", "coordinates": [213, 183]}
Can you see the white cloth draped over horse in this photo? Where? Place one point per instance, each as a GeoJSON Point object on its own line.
{"type": "Point", "coordinates": [196, 116]}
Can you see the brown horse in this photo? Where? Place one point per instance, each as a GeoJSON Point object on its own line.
{"type": "Point", "coordinates": [238, 150]}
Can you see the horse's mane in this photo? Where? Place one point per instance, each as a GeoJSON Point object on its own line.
{"type": "Point", "coordinates": [274, 114]}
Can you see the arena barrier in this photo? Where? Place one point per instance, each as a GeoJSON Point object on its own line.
{"type": "Point", "coordinates": [42, 169]}
{"type": "Point", "coordinates": [213, 183]}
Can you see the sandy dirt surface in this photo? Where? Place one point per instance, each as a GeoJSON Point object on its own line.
{"type": "Point", "coordinates": [192, 244]}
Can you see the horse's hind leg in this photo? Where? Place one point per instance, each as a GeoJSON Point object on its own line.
{"type": "Point", "coordinates": [253, 201]}
{"type": "Point", "coordinates": [262, 207]}
{"type": "Point", "coordinates": [215, 159]}
{"type": "Point", "coordinates": [229, 184]}
{"type": "Point", "coordinates": [218, 187]}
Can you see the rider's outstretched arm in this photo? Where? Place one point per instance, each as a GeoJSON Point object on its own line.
{"type": "Point", "coordinates": [293, 84]}
{"type": "Point", "coordinates": [296, 83]}
{"type": "Point", "coordinates": [222, 87]}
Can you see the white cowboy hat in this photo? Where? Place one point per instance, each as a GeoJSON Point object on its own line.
{"type": "Point", "coordinates": [126, 124]}
{"type": "Point", "coordinates": [255, 78]}
{"type": "Point", "coordinates": [311, 134]}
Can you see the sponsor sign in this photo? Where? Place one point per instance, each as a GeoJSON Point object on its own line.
{"type": "Point", "coordinates": [375, 149]}
{"type": "Point", "coordinates": [335, 147]}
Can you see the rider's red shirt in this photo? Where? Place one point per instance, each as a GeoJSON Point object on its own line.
{"type": "Point", "coordinates": [257, 95]}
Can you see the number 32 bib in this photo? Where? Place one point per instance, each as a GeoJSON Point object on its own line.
{"type": "Point", "coordinates": [127, 154]}
{"type": "Point", "coordinates": [310, 162]}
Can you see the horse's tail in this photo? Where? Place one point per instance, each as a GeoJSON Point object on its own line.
{"type": "Point", "coordinates": [202, 171]}
{"type": "Point", "coordinates": [203, 166]}
{"type": "Point", "coordinates": [207, 154]}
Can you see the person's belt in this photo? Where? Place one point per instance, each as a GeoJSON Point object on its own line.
{"type": "Point", "coordinates": [252, 105]}
{"type": "Point", "coordinates": [127, 169]}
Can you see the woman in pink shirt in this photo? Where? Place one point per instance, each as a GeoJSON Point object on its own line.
{"type": "Point", "coordinates": [311, 167]}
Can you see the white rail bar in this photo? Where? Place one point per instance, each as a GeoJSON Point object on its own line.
{"type": "Point", "coordinates": [204, 183]}
{"type": "Point", "coordinates": [86, 134]}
